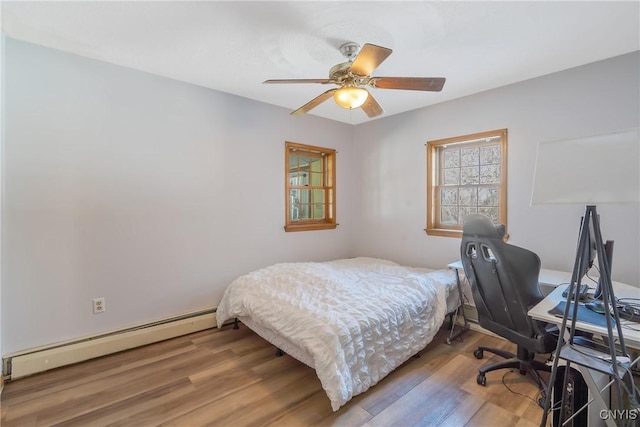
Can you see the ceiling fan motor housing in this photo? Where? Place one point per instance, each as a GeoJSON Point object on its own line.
{"type": "Point", "coordinates": [340, 71]}
{"type": "Point", "coordinates": [350, 50]}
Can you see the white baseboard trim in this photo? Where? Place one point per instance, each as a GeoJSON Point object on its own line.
{"type": "Point", "coordinates": [471, 313]}
{"type": "Point", "coordinates": [477, 328]}
{"type": "Point", "coordinates": [28, 362]}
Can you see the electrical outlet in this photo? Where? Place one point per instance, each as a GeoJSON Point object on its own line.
{"type": "Point", "coordinates": [98, 305]}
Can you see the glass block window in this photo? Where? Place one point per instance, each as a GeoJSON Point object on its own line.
{"type": "Point", "coordinates": [466, 175]}
{"type": "Point", "coordinates": [309, 188]}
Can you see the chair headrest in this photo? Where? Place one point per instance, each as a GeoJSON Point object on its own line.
{"type": "Point", "coordinates": [482, 226]}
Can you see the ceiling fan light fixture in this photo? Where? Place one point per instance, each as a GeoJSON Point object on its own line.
{"type": "Point", "coordinates": [350, 96]}
{"type": "Point", "coordinates": [352, 76]}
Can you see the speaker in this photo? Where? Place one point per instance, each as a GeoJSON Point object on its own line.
{"type": "Point", "coordinates": [576, 396]}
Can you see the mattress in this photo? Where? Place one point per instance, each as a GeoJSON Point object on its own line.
{"type": "Point", "coordinates": [453, 301]}
{"type": "Point", "coordinates": [352, 320]}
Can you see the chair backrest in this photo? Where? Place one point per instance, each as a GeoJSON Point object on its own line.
{"type": "Point", "coordinates": [504, 281]}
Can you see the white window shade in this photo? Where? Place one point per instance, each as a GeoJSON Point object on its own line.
{"type": "Point", "coordinates": [589, 170]}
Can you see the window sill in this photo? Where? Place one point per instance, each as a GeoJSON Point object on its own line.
{"type": "Point", "coordinates": [309, 227]}
{"type": "Point", "coordinates": [443, 232]}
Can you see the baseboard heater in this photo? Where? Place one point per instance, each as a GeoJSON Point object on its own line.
{"type": "Point", "coordinates": [40, 359]}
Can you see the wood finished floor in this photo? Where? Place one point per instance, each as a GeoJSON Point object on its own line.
{"type": "Point", "coordinates": [232, 378]}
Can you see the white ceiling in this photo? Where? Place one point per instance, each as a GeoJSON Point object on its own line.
{"type": "Point", "coordinates": [234, 46]}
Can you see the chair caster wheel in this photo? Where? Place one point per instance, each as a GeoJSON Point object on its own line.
{"type": "Point", "coordinates": [541, 401]}
{"type": "Point", "coordinates": [479, 354]}
{"type": "Point", "coordinates": [481, 379]}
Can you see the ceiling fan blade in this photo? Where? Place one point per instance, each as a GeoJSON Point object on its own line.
{"type": "Point", "coordinates": [323, 81]}
{"type": "Point", "coordinates": [371, 106]}
{"type": "Point", "coordinates": [314, 102]}
{"type": "Point", "coordinates": [433, 84]}
{"type": "Point", "coordinates": [369, 58]}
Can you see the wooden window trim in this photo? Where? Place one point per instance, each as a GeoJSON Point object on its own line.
{"type": "Point", "coordinates": [432, 228]}
{"type": "Point", "coordinates": [329, 222]}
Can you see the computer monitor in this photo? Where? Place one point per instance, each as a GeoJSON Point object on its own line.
{"type": "Point", "coordinates": [608, 252]}
{"type": "Point", "coordinates": [588, 251]}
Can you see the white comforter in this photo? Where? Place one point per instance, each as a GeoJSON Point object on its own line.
{"type": "Point", "coordinates": [359, 318]}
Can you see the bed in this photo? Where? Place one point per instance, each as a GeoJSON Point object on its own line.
{"type": "Point", "coordinates": [352, 320]}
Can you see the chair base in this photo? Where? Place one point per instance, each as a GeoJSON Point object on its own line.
{"type": "Point", "coordinates": [523, 361]}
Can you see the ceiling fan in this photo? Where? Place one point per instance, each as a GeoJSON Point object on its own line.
{"type": "Point", "coordinates": [355, 75]}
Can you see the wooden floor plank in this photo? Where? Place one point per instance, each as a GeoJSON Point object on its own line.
{"type": "Point", "coordinates": [273, 404]}
{"type": "Point", "coordinates": [236, 402]}
{"type": "Point", "coordinates": [60, 406]}
{"type": "Point", "coordinates": [405, 378]}
{"type": "Point", "coordinates": [313, 412]}
{"type": "Point", "coordinates": [153, 399]}
{"type": "Point", "coordinates": [71, 376]}
{"type": "Point", "coordinates": [433, 400]}
{"type": "Point", "coordinates": [492, 415]}
{"type": "Point", "coordinates": [461, 415]}
{"type": "Point", "coordinates": [352, 416]}
{"type": "Point", "coordinates": [232, 377]}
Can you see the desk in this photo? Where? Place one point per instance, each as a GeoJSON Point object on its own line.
{"type": "Point", "coordinates": [631, 338]}
{"type": "Point", "coordinates": [621, 290]}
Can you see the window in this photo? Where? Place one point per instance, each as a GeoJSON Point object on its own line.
{"type": "Point", "coordinates": [465, 175]}
{"type": "Point", "coordinates": [310, 187]}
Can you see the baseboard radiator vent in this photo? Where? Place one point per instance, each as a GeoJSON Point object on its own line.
{"type": "Point", "coordinates": [40, 359]}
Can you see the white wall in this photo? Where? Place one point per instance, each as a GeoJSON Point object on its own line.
{"type": "Point", "coordinates": [156, 194]}
{"type": "Point", "coordinates": [2, 120]}
{"type": "Point", "coordinates": [146, 191]}
{"type": "Point", "coordinates": [391, 166]}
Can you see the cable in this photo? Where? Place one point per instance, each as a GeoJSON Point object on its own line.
{"type": "Point", "coordinates": [515, 392]}
{"type": "Point", "coordinates": [634, 390]}
{"type": "Point", "coordinates": [534, 399]}
{"type": "Point", "coordinates": [630, 298]}
{"type": "Point", "coordinates": [627, 325]}
{"type": "Point", "coordinates": [591, 278]}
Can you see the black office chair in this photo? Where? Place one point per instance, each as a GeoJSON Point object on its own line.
{"type": "Point", "coordinates": [504, 284]}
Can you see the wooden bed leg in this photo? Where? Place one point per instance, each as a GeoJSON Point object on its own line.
{"type": "Point", "coordinates": [279, 353]}
{"type": "Point", "coordinates": [235, 323]}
